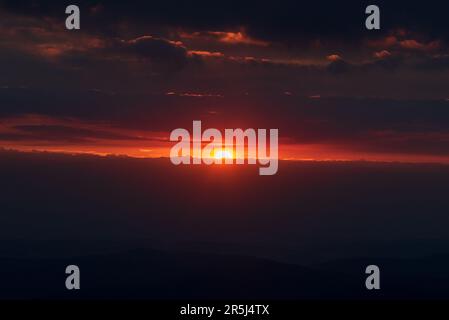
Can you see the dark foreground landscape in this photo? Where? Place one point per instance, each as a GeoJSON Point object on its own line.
{"type": "Point", "coordinates": [137, 230]}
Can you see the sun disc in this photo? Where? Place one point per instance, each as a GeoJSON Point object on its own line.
{"type": "Point", "coordinates": [223, 154]}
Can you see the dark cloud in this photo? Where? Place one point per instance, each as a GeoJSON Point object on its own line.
{"type": "Point", "coordinates": [66, 133]}
{"type": "Point", "coordinates": [164, 54]}
{"type": "Point", "coordinates": [440, 62]}
{"type": "Point", "coordinates": [339, 66]}
{"type": "Point", "coordinates": [280, 21]}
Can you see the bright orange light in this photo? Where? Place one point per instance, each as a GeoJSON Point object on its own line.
{"type": "Point", "coordinates": [223, 154]}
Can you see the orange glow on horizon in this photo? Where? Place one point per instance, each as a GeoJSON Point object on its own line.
{"type": "Point", "coordinates": [100, 138]}
{"type": "Point", "coordinates": [286, 153]}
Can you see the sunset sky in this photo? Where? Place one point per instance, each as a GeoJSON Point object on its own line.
{"type": "Point", "coordinates": [134, 72]}
{"type": "Point", "coordinates": [95, 174]}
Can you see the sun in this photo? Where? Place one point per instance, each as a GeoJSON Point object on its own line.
{"type": "Point", "coordinates": [223, 154]}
